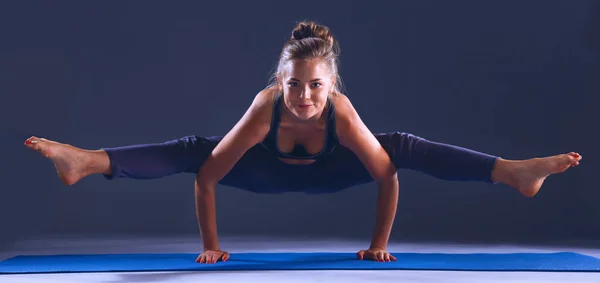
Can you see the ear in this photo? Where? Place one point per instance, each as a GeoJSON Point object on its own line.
{"type": "Point", "coordinates": [333, 82]}
{"type": "Point", "coordinates": [279, 84]}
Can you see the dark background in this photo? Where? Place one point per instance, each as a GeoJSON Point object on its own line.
{"type": "Point", "coordinates": [518, 79]}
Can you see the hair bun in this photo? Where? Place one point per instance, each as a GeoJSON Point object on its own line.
{"type": "Point", "coordinates": [308, 29]}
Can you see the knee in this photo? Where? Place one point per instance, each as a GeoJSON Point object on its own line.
{"type": "Point", "coordinates": [399, 146]}
{"type": "Point", "coordinates": [404, 142]}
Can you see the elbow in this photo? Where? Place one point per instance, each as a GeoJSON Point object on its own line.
{"type": "Point", "coordinates": [204, 184]}
{"type": "Point", "coordinates": [387, 177]}
{"type": "Point", "coordinates": [383, 171]}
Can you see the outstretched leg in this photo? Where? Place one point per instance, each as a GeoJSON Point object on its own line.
{"type": "Point", "coordinates": [255, 171]}
{"type": "Point", "coordinates": [440, 160]}
{"type": "Point", "coordinates": [143, 161]}
{"type": "Point", "coordinates": [450, 162]}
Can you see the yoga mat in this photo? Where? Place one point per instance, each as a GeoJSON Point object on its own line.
{"type": "Point", "coordinates": [561, 261]}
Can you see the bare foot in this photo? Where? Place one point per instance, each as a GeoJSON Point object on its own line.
{"type": "Point", "coordinates": [529, 175]}
{"type": "Point", "coordinates": [70, 162]}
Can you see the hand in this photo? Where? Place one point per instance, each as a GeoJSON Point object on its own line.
{"type": "Point", "coordinates": [212, 256]}
{"type": "Point", "coordinates": [376, 254]}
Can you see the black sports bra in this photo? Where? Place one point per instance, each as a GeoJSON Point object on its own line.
{"type": "Point", "coordinates": [299, 152]}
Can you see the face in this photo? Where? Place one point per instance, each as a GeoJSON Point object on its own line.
{"type": "Point", "coordinates": [306, 85]}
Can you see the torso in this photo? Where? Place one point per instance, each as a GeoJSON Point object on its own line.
{"type": "Point", "coordinates": [314, 139]}
{"type": "Point", "coordinates": [311, 137]}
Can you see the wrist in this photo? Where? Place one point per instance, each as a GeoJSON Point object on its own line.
{"type": "Point", "coordinates": [211, 243]}
{"type": "Point", "coordinates": [213, 246]}
{"type": "Point", "coordinates": [377, 246]}
{"type": "Point", "coordinates": [216, 248]}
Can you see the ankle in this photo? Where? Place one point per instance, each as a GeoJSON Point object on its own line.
{"type": "Point", "coordinates": [97, 162]}
{"type": "Point", "coordinates": [504, 172]}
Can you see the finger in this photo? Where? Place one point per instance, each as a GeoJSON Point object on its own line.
{"type": "Point", "coordinates": [202, 258]}
{"type": "Point", "coordinates": [212, 258]}
{"type": "Point", "coordinates": [393, 258]}
{"type": "Point", "coordinates": [380, 256]}
{"type": "Point", "coordinates": [361, 254]}
{"type": "Point", "coordinates": [387, 257]}
{"type": "Point", "coordinates": [373, 256]}
{"type": "Point", "coordinates": [225, 256]}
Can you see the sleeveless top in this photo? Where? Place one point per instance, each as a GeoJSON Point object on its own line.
{"type": "Point", "coordinates": [299, 152]}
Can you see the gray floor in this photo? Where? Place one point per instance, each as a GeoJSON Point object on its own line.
{"type": "Point", "coordinates": [191, 244]}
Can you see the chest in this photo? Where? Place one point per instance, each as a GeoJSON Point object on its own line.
{"type": "Point", "coordinates": [310, 137]}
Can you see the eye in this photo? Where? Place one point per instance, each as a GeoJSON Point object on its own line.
{"type": "Point", "coordinates": [316, 84]}
{"type": "Point", "coordinates": [292, 84]}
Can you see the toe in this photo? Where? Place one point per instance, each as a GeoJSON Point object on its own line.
{"type": "Point", "coordinates": [32, 140]}
{"type": "Point", "coordinates": [573, 157]}
{"type": "Point", "coordinates": [34, 144]}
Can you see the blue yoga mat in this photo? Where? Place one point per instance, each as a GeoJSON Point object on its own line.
{"type": "Point", "coordinates": [562, 261]}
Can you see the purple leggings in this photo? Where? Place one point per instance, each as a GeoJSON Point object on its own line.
{"type": "Point", "coordinates": [259, 171]}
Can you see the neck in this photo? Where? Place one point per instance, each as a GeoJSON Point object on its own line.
{"type": "Point", "coordinates": [315, 119]}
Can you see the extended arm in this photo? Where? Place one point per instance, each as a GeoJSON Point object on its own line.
{"type": "Point", "coordinates": [249, 131]}
{"type": "Point", "coordinates": [356, 136]}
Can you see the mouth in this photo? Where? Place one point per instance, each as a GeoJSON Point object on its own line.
{"type": "Point", "coordinates": [304, 106]}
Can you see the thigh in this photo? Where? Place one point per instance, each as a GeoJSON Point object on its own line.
{"type": "Point", "coordinates": [342, 169]}
{"type": "Point", "coordinates": [441, 160]}
{"type": "Point", "coordinates": [260, 172]}
{"type": "Point", "coordinates": [157, 160]}
{"type": "Point", "coordinates": [338, 171]}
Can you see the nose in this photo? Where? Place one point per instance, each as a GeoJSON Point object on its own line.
{"type": "Point", "coordinates": [305, 94]}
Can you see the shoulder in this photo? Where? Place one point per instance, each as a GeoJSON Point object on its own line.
{"type": "Point", "coordinates": [345, 113]}
{"type": "Point", "coordinates": [266, 96]}
{"type": "Point", "coordinates": [261, 108]}
{"type": "Point", "coordinates": [350, 129]}
{"type": "Point", "coordinates": [253, 126]}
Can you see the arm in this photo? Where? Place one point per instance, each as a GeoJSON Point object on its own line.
{"type": "Point", "coordinates": [250, 130]}
{"type": "Point", "coordinates": [353, 134]}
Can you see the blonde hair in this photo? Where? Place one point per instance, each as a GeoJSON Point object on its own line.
{"type": "Point", "coordinates": [310, 40]}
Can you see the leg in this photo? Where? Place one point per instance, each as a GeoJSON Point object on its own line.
{"type": "Point", "coordinates": [440, 160]}
{"type": "Point", "coordinates": [451, 162]}
{"type": "Point", "coordinates": [156, 160]}
{"type": "Point", "coordinates": [143, 161]}
{"type": "Point", "coordinates": [255, 171]}
{"type": "Point", "coordinates": [343, 169]}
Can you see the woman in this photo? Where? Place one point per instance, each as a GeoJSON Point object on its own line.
{"type": "Point", "coordinates": [300, 134]}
